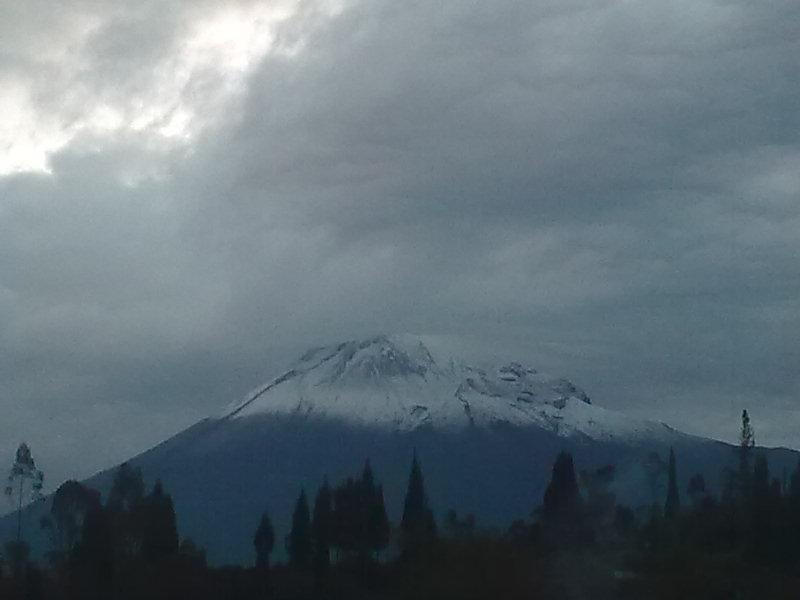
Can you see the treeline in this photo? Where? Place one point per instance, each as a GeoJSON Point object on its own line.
{"type": "Point", "coordinates": [129, 547]}
{"type": "Point", "coordinates": [742, 542]}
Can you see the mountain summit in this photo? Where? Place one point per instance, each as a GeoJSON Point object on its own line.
{"type": "Point", "coordinates": [398, 383]}
{"type": "Point", "coordinates": [487, 437]}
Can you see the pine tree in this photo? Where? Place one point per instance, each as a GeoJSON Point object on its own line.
{"type": "Point", "coordinates": [346, 529]}
{"type": "Point", "coordinates": [321, 530]}
{"type": "Point", "coordinates": [375, 521]}
{"type": "Point", "coordinates": [298, 543]}
{"type": "Point", "coordinates": [562, 499]}
{"type": "Point", "coordinates": [126, 512]}
{"type": "Point", "coordinates": [94, 555]}
{"type": "Point", "coordinates": [127, 489]}
{"type": "Point", "coordinates": [417, 526]}
{"type": "Point", "coordinates": [160, 530]}
{"type": "Point", "coordinates": [264, 541]}
{"type": "Point", "coordinates": [360, 527]}
{"type": "Point", "coordinates": [378, 528]}
{"type": "Point", "coordinates": [672, 506]}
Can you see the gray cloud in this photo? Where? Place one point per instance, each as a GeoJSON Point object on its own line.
{"type": "Point", "coordinates": [608, 190]}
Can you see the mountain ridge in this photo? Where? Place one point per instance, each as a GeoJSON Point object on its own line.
{"type": "Point", "coordinates": [486, 448]}
{"type": "Point", "coordinates": [397, 382]}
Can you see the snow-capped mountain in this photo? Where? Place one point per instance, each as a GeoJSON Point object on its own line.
{"type": "Point", "coordinates": [398, 383]}
{"type": "Point", "coordinates": [486, 435]}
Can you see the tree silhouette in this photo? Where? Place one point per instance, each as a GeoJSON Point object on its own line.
{"type": "Point", "coordinates": [70, 505]}
{"type": "Point", "coordinates": [160, 530]}
{"type": "Point", "coordinates": [127, 489]}
{"type": "Point", "coordinates": [321, 530]}
{"type": "Point", "coordinates": [126, 512]}
{"type": "Point", "coordinates": [672, 506]}
{"type": "Point", "coordinates": [378, 529]}
{"type": "Point", "coordinates": [298, 542]}
{"type": "Point", "coordinates": [25, 482]}
{"type": "Point", "coordinates": [374, 518]}
{"type": "Point", "coordinates": [360, 527]}
{"type": "Point", "coordinates": [747, 442]}
{"type": "Point", "coordinates": [264, 541]}
{"type": "Point", "coordinates": [417, 526]}
{"type": "Point", "coordinates": [93, 556]}
{"type": "Point", "coordinates": [562, 498]}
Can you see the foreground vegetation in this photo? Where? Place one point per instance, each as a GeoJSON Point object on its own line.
{"type": "Point", "coordinates": [579, 543]}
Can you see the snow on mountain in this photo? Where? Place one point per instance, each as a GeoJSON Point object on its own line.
{"type": "Point", "coordinates": [487, 437]}
{"type": "Point", "coordinates": [397, 383]}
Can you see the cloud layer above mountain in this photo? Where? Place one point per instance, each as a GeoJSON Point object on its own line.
{"type": "Point", "coordinates": [191, 192]}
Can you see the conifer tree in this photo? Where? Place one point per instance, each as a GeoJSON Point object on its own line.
{"type": "Point", "coordinates": [375, 521]}
{"type": "Point", "coordinates": [418, 527]}
{"type": "Point", "coordinates": [672, 506]}
{"type": "Point", "coordinates": [562, 499]}
{"type": "Point", "coordinates": [346, 526]}
{"type": "Point", "coordinates": [94, 554]}
{"type": "Point", "coordinates": [360, 527]}
{"type": "Point", "coordinates": [126, 512]}
{"type": "Point", "coordinates": [298, 542]}
{"type": "Point", "coordinates": [127, 489]}
{"type": "Point", "coordinates": [264, 541]}
{"type": "Point", "coordinates": [378, 528]}
{"type": "Point", "coordinates": [160, 530]}
{"type": "Point", "coordinates": [321, 529]}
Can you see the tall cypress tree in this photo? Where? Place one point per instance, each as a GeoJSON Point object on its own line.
{"type": "Point", "coordinates": [93, 557]}
{"type": "Point", "coordinates": [562, 498]}
{"type": "Point", "coordinates": [159, 527]}
{"type": "Point", "coordinates": [418, 527]}
{"type": "Point", "coordinates": [321, 530]}
{"type": "Point", "coordinates": [264, 541]}
{"type": "Point", "coordinates": [673, 504]}
{"type": "Point", "coordinates": [298, 543]}
{"type": "Point", "coordinates": [378, 528]}
{"type": "Point", "coordinates": [126, 511]}
{"type": "Point", "coordinates": [345, 526]}
{"type": "Point", "coordinates": [374, 520]}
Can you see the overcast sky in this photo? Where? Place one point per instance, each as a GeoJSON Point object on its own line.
{"type": "Point", "coordinates": [192, 192]}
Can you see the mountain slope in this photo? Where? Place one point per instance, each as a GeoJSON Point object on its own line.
{"type": "Point", "coordinates": [487, 439]}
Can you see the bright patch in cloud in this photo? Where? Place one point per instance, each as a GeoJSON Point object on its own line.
{"type": "Point", "coordinates": [188, 89]}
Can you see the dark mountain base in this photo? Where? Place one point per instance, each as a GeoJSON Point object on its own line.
{"type": "Point", "coordinates": [223, 474]}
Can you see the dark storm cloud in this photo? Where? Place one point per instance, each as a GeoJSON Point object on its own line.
{"type": "Point", "coordinates": [607, 190]}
